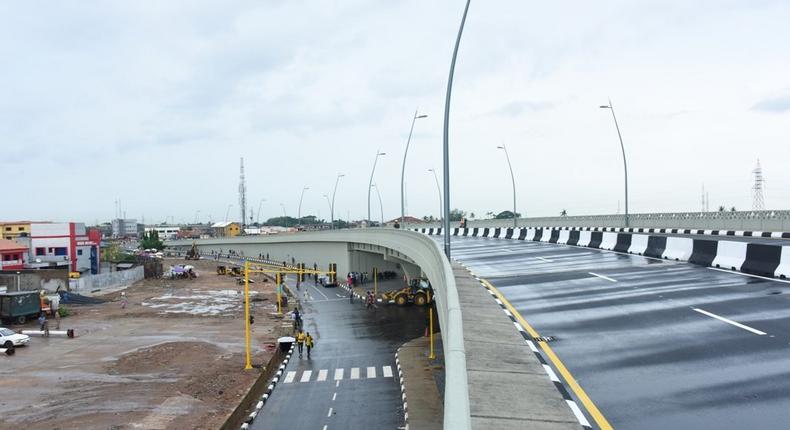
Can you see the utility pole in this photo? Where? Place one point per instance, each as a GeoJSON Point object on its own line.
{"type": "Point", "coordinates": [242, 195]}
{"type": "Point", "coordinates": [403, 169]}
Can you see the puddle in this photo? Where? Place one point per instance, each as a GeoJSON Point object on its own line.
{"type": "Point", "coordinates": [202, 302]}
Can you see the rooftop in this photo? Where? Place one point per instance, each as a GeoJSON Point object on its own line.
{"type": "Point", "coordinates": [10, 245]}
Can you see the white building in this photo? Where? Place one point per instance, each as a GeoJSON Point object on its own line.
{"type": "Point", "coordinates": [124, 227]}
{"type": "Point", "coordinates": [166, 232]}
{"type": "Point", "coordinates": [67, 244]}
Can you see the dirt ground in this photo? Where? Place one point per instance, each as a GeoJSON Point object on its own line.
{"type": "Point", "coordinates": [173, 359]}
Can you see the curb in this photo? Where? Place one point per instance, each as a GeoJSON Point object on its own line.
{"type": "Point", "coordinates": [265, 397]}
{"type": "Point", "coordinates": [402, 391]}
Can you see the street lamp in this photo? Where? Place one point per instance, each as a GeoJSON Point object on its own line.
{"type": "Point", "coordinates": [332, 205]}
{"type": "Point", "coordinates": [610, 106]}
{"type": "Point", "coordinates": [513, 179]}
{"type": "Point", "coordinates": [370, 185]}
{"type": "Point", "coordinates": [446, 139]}
{"type": "Point", "coordinates": [285, 216]}
{"type": "Point", "coordinates": [299, 211]}
{"type": "Point", "coordinates": [329, 202]}
{"type": "Point", "coordinates": [381, 205]}
{"type": "Point", "coordinates": [438, 190]}
{"type": "Point", "coordinates": [403, 169]}
{"type": "Point", "coordinates": [258, 219]}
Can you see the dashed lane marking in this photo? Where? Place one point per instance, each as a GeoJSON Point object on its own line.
{"type": "Point", "coordinates": [329, 414]}
{"type": "Point", "coordinates": [603, 277]}
{"type": "Point", "coordinates": [544, 259]}
{"type": "Point", "coordinates": [731, 322]}
{"type": "Point", "coordinates": [749, 275]}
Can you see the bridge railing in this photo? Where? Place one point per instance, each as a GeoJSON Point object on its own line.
{"type": "Point", "coordinates": [776, 220]}
{"type": "Point", "coordinates": [426, 253]}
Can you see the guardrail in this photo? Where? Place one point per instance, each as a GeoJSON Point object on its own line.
{"type": "Point", "coordinates": [426, 253]}
{"type": "Point", "coordinates": [777, 220]}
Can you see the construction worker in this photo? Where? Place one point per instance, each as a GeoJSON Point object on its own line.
{"type": "Point", "coordinates": [300, 338]}
{"type": "Point", "coordinates": [308, 342]}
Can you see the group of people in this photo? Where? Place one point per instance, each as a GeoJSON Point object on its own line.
{"type": "Point", "coordinates": [356, 278]}
{"type": "Point", "coordinates": [303, 339]}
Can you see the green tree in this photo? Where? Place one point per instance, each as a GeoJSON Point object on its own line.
{"type": "Point", "coordinates": [151, 241]}
{"type": "Point", "coordinates": [457, 214]}
{"type": "Point", "coordinates": [507, 215]}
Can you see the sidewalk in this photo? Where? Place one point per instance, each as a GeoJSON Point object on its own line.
{"type": "Point", "coordinates": [425, 403]}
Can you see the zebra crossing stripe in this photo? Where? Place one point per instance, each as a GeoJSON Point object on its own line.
{"type": "Point", "coordinates": [355, 373]}
{"type": "Point", "coordinates": [322, 375]}
{"type": "Point", "coordinates": [371, 372]}
{"type": "Point", "coordinates": [306, 376]}
{"type": "Point", "coordinates": [290, 377]}
{"type": "Point", "coordinates": [387, 370]}
{"type": "Point", "coordinates": [339, 374]}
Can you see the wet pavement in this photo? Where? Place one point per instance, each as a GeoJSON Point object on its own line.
{"type": "Point", "coordinates": [655, 344]}
{"type": "Point", "coordinates": [350, 382]}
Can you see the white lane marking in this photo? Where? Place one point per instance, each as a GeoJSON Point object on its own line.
{"type": "Point", "coordinates": [306, 376]}
{"type": "Point", "coordinates": [321, 293]}
{"type": "Point", "coordinates": [355, 373]}
{"type": "Point", "coordinates": [338, 295]}
{"type": "Point", "coordinates": [334, 396]}
{"type": "Point", "coordinates": [544, 259]}
{"type": "Point", "coordinates": [322, 375]}
{"type": "Point", "coordinates": [579, 415]}
{"type": "Point", "coordinates": [371, 372]}
{"type": "Point", "coordinates": [603, 277]}
{"type": "Point", "coordinates": [387, 371]}
{"type": "Point", "coordinates": [289, 377]}
{"type": "Point", "coordinates": [338, 375]}
{"type": "Point", "coordinates": [337, 384]}
{"type": "Point", "coordinates": [729, 321]}
{"type": "Point", "coordinates": [748, 274]}
{"type": "Point", "coordinates": [552, 375]}
{"type": "Point", "coordinates": [329, 414]}
{"type": "Point", "coordinates": [324, 427]}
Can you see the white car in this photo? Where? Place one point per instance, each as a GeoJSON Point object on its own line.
{"type": "Point", "coordinates": [9, 338]}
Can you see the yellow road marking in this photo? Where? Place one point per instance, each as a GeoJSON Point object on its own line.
{"type": "Point", "coordinates": [577, 389]}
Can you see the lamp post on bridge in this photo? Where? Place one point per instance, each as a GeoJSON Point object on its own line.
{"type": "Point", "coordinates": [403, 169]}
{"type": "Point", "coordinates": [381, 205]}
{"type": "Point", "coordinates": [370, 185]}
{"type": "Point", "coordinates": [513, 179]}
{"type": "Point", "coordinates": [438, 190]}
{"type": "Point", "coordinates": [299, 211]}
{"type": "Point", "coordinates": [610, 106]}
{"type": "Point", "coordinates": [332, 205]}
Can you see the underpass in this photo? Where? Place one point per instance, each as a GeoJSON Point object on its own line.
{"type": "Point", "coordinates": [656, 344]}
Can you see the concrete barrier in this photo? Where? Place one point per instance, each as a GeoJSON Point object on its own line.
{"type": "Point", "coordinates": [584, 238]}
{"type": "Point", "coordinates": [608, 241]}
{"type": "Point", "coordinates": [639, 243]}
{"type": "Point", "coordinates": [730, 255]}
{"type": "Point", "coordinates": [596, 237]}
{"type": "Point", "coordinates": [763, 260]}
{"type": "Point", "coordinates": [783, 270]}
{"type": "Point", "coordinates": [703, 252]}
{"type": "Point", "coordinates": [678, 248]}
{"type": "Point", "coordinates": [564, 236]}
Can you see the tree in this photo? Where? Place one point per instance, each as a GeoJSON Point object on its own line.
{"type": "Point", "coordinates": [507, 215]}
{"type": "Point", "coordinates": [457, 214]}
{"type": "Point", "coordinates": [732, 209]}
{"type": "Point", "coordinates": [151, 241]}
{"type": "Point", "coordinates": [564, 213]}
{"type": "Point", "coordinates": [721, 208]}
{"type": "Point", "coordinates": [428, 218]}
{"type": "Point", "coordinates": [472, 215]}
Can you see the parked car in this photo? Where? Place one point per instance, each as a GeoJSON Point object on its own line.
{"type": "Point", "coordinates": [10, 338]}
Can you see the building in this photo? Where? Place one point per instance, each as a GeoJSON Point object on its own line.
{"type": "Point", "coordinates": [166, 232]}
{"type": "Point", "coordinates": [226, 229]}
{"type": "Point", "coordinates": [13, 229]}
{"type": "Point", "coordinates": [124, 227]}
{"type": "Point", "coordinates": [13, 255]}
{"type": "Point", "coordinates": [64, 244]}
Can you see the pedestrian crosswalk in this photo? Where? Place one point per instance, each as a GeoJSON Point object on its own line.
{"type": "Point", "coordinates": [370, 372]}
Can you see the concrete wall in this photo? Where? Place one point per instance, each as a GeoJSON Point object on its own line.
{"type": "Point", "coordinates": [107, 280]}
{"type": "Point", "coordinates": [35, 280]}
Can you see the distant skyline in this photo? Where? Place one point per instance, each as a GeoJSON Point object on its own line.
{"type": "Point", "coordinates": [155, 102]}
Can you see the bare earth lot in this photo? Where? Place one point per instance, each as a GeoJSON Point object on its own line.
{"type": "Point", "coordinates": [173, 359]}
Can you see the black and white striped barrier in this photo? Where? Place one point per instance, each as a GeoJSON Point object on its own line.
{"type": "Point", "coordinates": [402, 391]}
{"type": "Point", "coordinates": [7, 351]}
{"type": "Point", "coordinates": [52, 333]}
{"type": "Point", "coordinates": [760, 259]}
{"type": "Point", "coordinates": [267, 394]}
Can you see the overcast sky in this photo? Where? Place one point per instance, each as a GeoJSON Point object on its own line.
{"type": "Point", "coordinates": [153, 102]}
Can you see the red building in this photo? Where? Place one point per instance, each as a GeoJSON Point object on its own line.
{"type": "Point", "coordinates": [12, 255]}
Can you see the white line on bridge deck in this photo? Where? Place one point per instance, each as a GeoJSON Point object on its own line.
{"type": "Point", "coordinates": [602, 277]}
{"type": "Point", "coordinates": [729, 321]}
{"type": "Point", "coordinates": [544, 259]}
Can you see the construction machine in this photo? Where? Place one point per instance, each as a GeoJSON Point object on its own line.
{"type": "Point", "coordinates": [418, 291]}
{"type": "Point", "coordinates": [192, 253]}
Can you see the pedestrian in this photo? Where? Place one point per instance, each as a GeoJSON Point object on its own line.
{"type": "Point", "coordinates": [297, 317]}
{"type": "Point", "coordinates": [57, 320]}
{"type": "Point", "coordinates": [43, 325]}
{"type": "Point", "coordinates": [350, 281]}
{"type": "Point", "coordinates": [351, 294]}
{"type": "Point", "coordinates": [124, 300]}
{"type": "Point", "coordinates": [308, 342]}
{"type": "Point", "coordinates": [306, 296]}
{"type": "Point", "coordinates": [300, 338]}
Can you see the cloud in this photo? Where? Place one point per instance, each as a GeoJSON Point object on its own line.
{"type": "Point", "coordinates": [776, 104]}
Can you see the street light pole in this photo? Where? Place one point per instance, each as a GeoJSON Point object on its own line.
{"type": "Point", "coordinates": [438, 190]}
{"type": "Point", "coordinates": [285, 216]}
{"type": "Point", "coordinates": [610, 106]}
{"type": "Point", "coordinates": [446, 139]}
{"type": "Point", "coordinates": [381, 205]}
{"type": "Point", "coordinates": [332, 205]}
{"type": "Point", "coordinates": [403, 169]}
{"type": "Point", "coordinates": [258, 219]}
{"type": "Point", "coordinates": [513, 179]}
{"type": "Point", "coordinates": [299, 210]}
{"type": "Point", "coordinates": [332, 221]}
{"type": "Point", "coordinates": [370, 184]}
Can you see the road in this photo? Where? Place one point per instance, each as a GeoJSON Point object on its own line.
{"type": "Point", "coordinates": [351, 380]}
{"type": "Point", "coordinates": [655, 344]}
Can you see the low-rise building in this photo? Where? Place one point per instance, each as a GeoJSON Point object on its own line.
{"type": "Point", "coordinates": [165, 232]}
{"type": "Point", "coordinates": [13, 255]}
{"type": "Point", "coordinates": [13, 229]}
{"type": "Point", "coordinates": [67, 244]}
{"type": "Point", "coordinates": [226, 229]}
{"type": "Point", "coordinates": [124, 227]}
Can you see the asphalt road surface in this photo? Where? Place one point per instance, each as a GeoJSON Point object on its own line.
{"type": "Point", "coordinates": [655, 344]}
{"type": "Point", "coordinates": [350, 382]}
